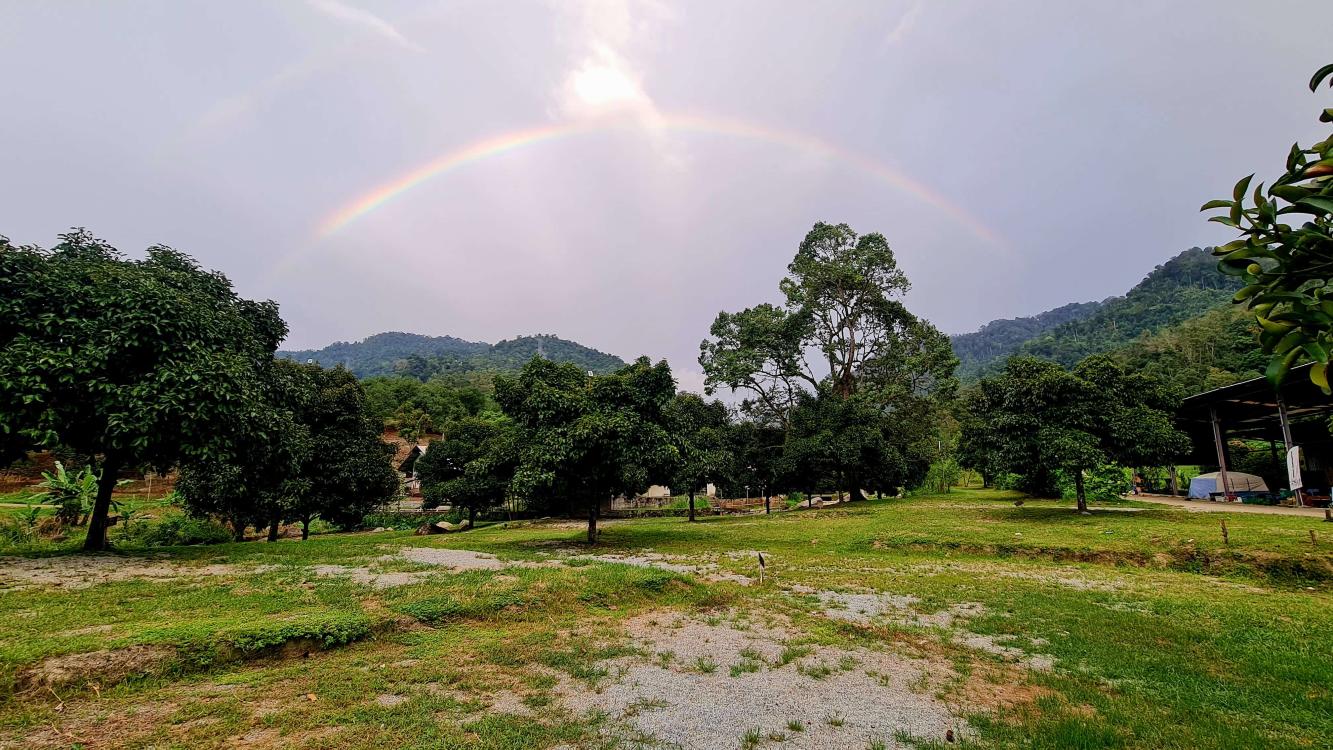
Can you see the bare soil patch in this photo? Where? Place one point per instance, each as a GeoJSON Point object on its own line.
{"type": "Point", "coordinates": [702, 686]}
{"type": "Point", "coordinates": [83, 571]}
{"type": "Point", "coordinates": [103, 667]}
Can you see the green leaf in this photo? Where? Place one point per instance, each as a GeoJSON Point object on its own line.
{"type": "Point", "coordinates": [1278, 367]}
{"type": "Point", "coordinates": [1320, 203]}
{"type": "Point", "coordinates": [1319, 376]}
{"type": "Point", "coordinates": [1316, 351]}
{"type": "Point", "coordinates": [1247, 292]}
{"type": "Point", "coordinates": [1290, 193]}
{"type": "Point", "coordinates": [1320, 75]}
{"type": "Point", "coordinates": [1239, 191]}
{"type": "Point", "coordinates": [1219, 203]}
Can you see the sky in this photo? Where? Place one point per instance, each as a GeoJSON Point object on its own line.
{"type": "Point", "coordinates": [617, 172]}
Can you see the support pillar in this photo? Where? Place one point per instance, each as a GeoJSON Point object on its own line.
{"type": "Point", "coordinates": [1297, 494]}
{"type": "Point", "coordinates": [1221, 454]}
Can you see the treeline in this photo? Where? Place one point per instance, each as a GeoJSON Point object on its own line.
{"type": "Point", "coordinates": [845, 388]}
{"type": "Point", "coordinates": [425, 357]}
{"type": "Point", "coordinates": [1043, 425]}
{"type": "Point", "coordinates": [157, 364]}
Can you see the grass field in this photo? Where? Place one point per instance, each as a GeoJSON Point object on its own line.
{"type": "Point", "coordinates": [878, 624]}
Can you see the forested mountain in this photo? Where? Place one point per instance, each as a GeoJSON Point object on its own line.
{"type": "Point", "coordinates": [1184, 287]}
{"type": "Point", "coordinates": [1214, 349]}
{"type": "Point", "coordinates": [421, 357]}
{"type": "Point", "coordinates": [1000, 338]}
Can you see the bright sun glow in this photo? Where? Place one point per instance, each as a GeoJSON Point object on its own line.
{"type": "Point", "coordinates": [602, 85]}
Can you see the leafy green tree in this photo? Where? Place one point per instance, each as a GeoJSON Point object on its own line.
{"type": "Point", "coordinates": [134, 362]}
{"type": "Point", "coordinates": [413, 423]}
{"type": "Point", "coordinates": [471, 466]}
{"type": "Point", "coordinates": [585, 439]}
{"type": "Point", "coordinates": [1287, 266]}
{"type": "Point", "coordinates": [1038, 419]}
{"type": "Point", "coordinates": [348, 469]}
{"type": "Point", "coordinates": [876, 360]}
{"type": "Point", "coordinates": [255, 481]}
{"type": "Point", "coordinates": [698, 430]}
{"type": "Point", "coordinates": [315, 451]}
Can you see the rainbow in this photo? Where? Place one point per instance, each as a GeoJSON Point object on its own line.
{"type": "Point", "coordinates": [519, 139]}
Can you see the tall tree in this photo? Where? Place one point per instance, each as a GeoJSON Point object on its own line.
{"type": "Point", "coordinates": [699, 432]}
{"type": "Point", "coordinates": [1287, 268]}
{"type": "Point", "coordinates": [584, 439]}
{"type": "Point", "coordinates": [135, 362]}
{"type": "Point", "coordinates": [875, 360]}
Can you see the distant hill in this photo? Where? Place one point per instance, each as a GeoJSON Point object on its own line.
{"type": "Point", "coordinates": [414, 355]}
{"type": "Point", "coordinates": [998, 339]}
{"type": "Point", "coordinates": [1182, 288]}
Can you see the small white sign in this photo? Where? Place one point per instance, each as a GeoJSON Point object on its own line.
{"type": "Point", "coordinates": [1294, 467]}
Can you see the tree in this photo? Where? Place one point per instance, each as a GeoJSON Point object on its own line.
{"type": "Point", "coordinates": [134, 362]}
{"type": "Point", "coordinates": [877, 361]}
{"type": "Point", "coordinates": [1287, 269]}
{"type": "Point", "coordinates": [471, 466]}
{"type": "Point", "coordinates": [698, 430]}
{"type": "Point", "coordinates": [584, 439]}
{"type": "Point", "coordinates": [348, 471]}
{"type": "Point", "coordinates": [258, 478]}
{"type": "Point", "coordinates": [1038, 419]}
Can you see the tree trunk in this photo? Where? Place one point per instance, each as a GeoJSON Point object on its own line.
{"type": "Point", "coordinates": [237, 530]}
{"type": "Point", "coordinates": [97, 525]}
{"type": "Point", "coordinates": [767, 509]}
{"type": "Point", "coordinates": [691, 506]}
{"type": "Point", "coordinates": [1078, 488]}
{"type": "Point", "coordinates": [592, 522]}
{"type": "Point", "coordinates": [305, 528]}
{"type": "Point", "coordinates": [273, 530]}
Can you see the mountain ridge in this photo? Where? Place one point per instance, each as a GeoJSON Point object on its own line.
{"type": "Point", "coordinates": [421, 356]}
{"type": "Point", "coordinates": [1183, 287]}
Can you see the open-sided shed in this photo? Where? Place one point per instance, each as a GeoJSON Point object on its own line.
{"type": "Point", "coordinates": [1297, 414]}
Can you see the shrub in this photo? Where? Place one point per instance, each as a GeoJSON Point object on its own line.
{"type": "Point", "coordinates": [1008, 481]}
{"type": "Point", "coordinates": [404, 522]}
{"type": "Point", "coordinates": [1103, 483]}
{"type": "Point", "coordinates": [182, 530]}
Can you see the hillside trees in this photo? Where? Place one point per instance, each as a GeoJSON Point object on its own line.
{"type": "Point", "coordinates": [134, 362]}
{"type": "Point", "coordinates": [880, 375]}
{"type": "Point", "coordinates": [1285, 254]}
{"type": "Point", "coordinates": [584, 439]}
{"type": "Point", "coordinates": [1037, 419]}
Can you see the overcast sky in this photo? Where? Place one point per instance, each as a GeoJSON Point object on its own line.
{"type": "Point", "coordinates": [617, 172]}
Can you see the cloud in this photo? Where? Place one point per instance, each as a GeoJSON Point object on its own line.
{"type": "Point", "coordinates": [348, 14]}
{"type": "Point", "coordinates": [604, 39]}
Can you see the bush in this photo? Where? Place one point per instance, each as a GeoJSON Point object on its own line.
{"type": "Point", "coordinates": [1100, 484]}
{"type": "Point", "coordinates": [1008, 481]}
{"type": "Point", "coordinates": [182, 530]}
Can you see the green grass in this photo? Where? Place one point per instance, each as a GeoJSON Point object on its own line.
{"type": "Point", "coordinates": [1162, 635]}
